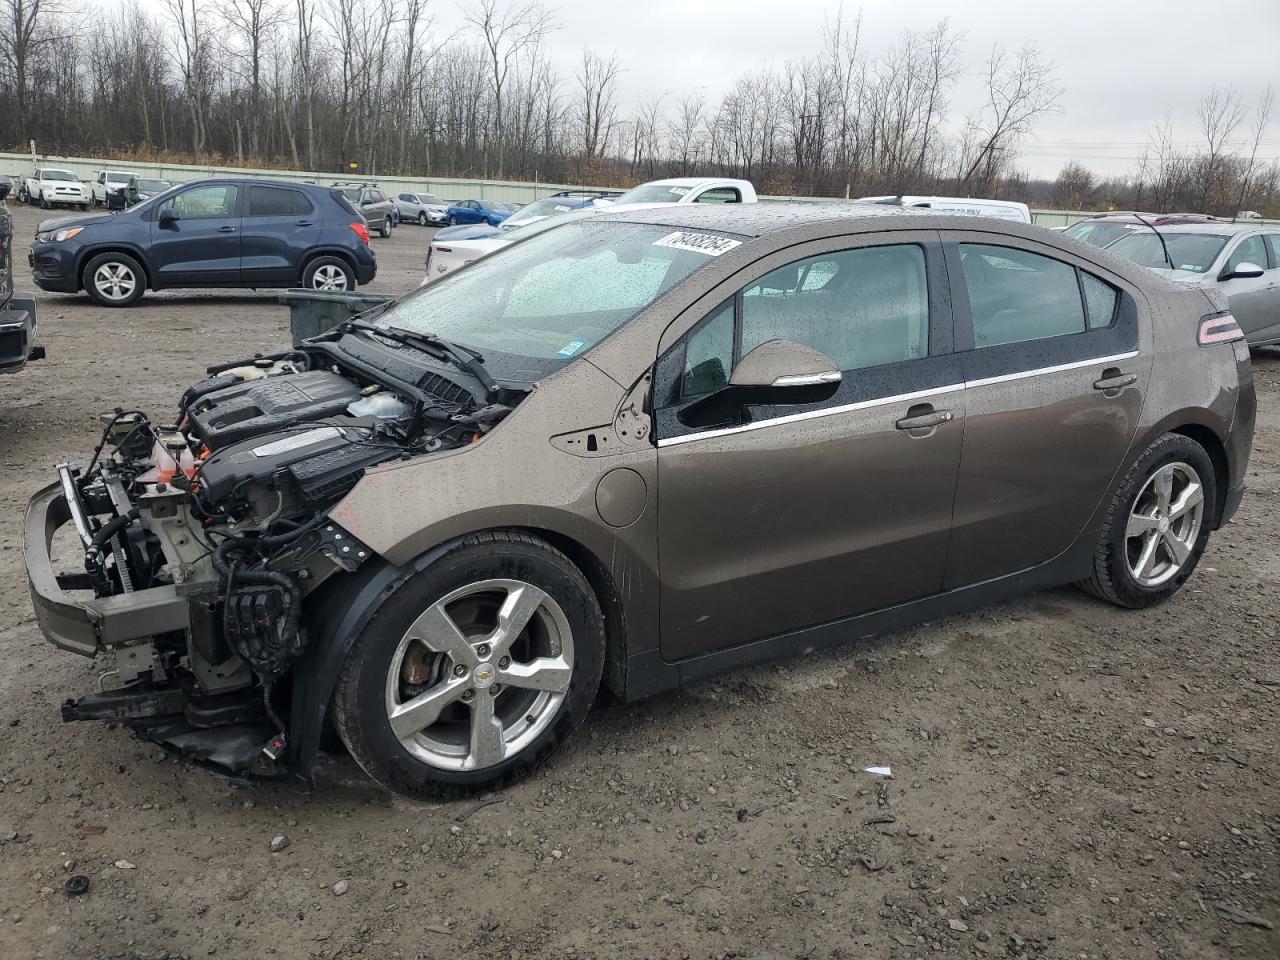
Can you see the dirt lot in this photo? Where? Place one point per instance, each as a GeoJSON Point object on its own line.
{"type": "Point", "coordinates": [1069, 780]}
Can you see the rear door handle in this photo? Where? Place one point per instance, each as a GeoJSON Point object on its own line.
{"type": "Point", "coordinates": [227, 229]}
{"type": "Point", "coordinates": [1113, 379]}
{"type": "Point", "coordinates": [922, 416]}
{"type": "Point", "coordinates": [304, 223]}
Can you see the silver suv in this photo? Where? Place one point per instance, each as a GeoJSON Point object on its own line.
{"type": "Point", "coordinates": [424, 209]}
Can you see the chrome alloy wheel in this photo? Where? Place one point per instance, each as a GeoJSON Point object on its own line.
{"type": "Point", "coordinates": [115, 281]}
{"type": "Point", "coordinates": [329, 277]}
{"type": "Point", "coordinates": [1164, 524]}
{"type": "Point", "coordinates": [479, 675]}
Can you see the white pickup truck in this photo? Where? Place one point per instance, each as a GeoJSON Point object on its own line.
{"type": "Point", "coordinates": [51, 187]}
{"type": "Point", "coordinates": [689, 190]}
{"type": "Point", "coordinates": [107, 182]}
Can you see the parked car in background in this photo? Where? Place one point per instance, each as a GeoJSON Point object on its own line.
{"type": "Point", "coordinates": [108, 182]}
{"type": "Point", "coordinates": [1106, 228]}
{"type": "Point", "coordinates": [964, 206]}
{"type": "Point", "coordinates": [532, 213]}
{"type": "Point", "coordinates": [54, 187]}
{"type": "Point", "coordinates": [447, 255]}
{"type": "Point", "coordinates": [1239, 260]}
{"type": "Point", "coordinates": [689, 190]}
{"type": "Point", "coordinates": [491, 212]}
{"type": "Point", "coordinates": [618, 455]}
{"type": "Point", "coordinates": [372, 204]}
{"type": "Point", "coordinates": [139, 189]}
{"type": "Point", "coordinates": [208, 233]}
{"type": "Point", "coordinates": [17, 314]}
{"type": "Point", "coordinates": [424, 209]}
{"type": "Point", "coordinates": [578, 194]}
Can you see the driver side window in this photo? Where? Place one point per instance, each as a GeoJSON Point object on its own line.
{"type": "Point", "coordinates": [1252, 250]}
{"type": "Point", "coordinates": [205, 203]}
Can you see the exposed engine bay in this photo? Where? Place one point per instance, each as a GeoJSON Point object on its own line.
{"type": "Point", "coordinates": [214, 528]}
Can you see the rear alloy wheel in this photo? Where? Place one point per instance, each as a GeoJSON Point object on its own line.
{"type": "Point", "coordinates": [474, 670]}
{"type": "Point", "coordinates": [422, 219]}
{"type": "Point", "coordinates": [328, 273]}
{"type": "Point", "coordinates": [114, 280]}
{"type": "Point", "coordinates": [1158, 525]}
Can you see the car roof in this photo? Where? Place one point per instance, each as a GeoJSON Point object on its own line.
{"type": "Point", "coordinates": [1213, 228]}
{"type": "Point", "coordinates": [760, 219]}
{"type": "Point", "coordinates": [688, 181]}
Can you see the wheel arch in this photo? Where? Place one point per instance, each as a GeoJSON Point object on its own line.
{"type": "Point", "coordinates": [337, 612]}
{"type": "Point", "coordinates": [83, 258]}
{"type": "Point", "coordinates": [1204, 428]}
{"type": "Point", "coordinates": [338, 252]}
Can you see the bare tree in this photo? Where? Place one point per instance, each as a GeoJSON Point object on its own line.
{"type": "Point", "coordinates": [597, 102]}
{"type": "Point", "coordinates": [1261, 119]}
{"type": "Point", "coordinates": [26, 26]}
{"type": "Point", "coordinates": [1020, 89]}
{"type": "Point", "coordinates": [191, 58]}
{"type": "Point", "coordinates": [251, 23]}
{"type": "Point", "coordinates": [506, 34]}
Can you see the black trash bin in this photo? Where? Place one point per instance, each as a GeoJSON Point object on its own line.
{"type": "Point", "coordinates": [312, 312]}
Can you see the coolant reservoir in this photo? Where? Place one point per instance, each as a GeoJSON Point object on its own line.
{"type": "Point", "coordinates": [166, 462]}
{"type": "Point", "coordinates": [380, 404]}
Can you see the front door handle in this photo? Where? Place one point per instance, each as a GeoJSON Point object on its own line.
{"type": "Point", "coordinates": [922, 416]}
{"type": "Point", "coordinates": [304, 223]}
{"type": "Point", "coordinates": [227, 229]}
{"type": "Point", "coordinates": [1113, 378]}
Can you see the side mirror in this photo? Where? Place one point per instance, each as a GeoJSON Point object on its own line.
{"type": "Point", "coordinates": [775, 372]}
{"type": "Point", "coordinates": [1245, 270]}
{"type": "Point", "coordinates": [168, 217]}
{"type": "Point", "coordinates": [785, 365]}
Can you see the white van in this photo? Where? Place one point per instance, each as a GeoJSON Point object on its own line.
{"type": "Point", "coordinates": [968, 206]}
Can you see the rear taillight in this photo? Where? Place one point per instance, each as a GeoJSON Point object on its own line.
{"type": "Point", "coordinates": [362, 231]}
{"type": "Point", "coordinates": [1221, 328]}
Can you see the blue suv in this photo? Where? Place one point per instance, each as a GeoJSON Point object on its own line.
{"type": "Point", "coordinates": [208, 233]}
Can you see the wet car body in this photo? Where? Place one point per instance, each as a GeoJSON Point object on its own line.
{"type": "Point", "coordinates": [677, 534]}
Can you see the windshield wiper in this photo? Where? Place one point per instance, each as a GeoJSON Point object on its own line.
{"type": "Point", "coordinates": [464, 358]}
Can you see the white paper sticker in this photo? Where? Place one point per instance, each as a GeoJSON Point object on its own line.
{"type": "Point", "coordinates": [707, 243]}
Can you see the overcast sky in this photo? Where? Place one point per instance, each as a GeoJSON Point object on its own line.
{"type": "Point", "coordinates": [1124, 63]}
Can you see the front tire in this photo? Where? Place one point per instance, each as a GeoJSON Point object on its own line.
{"type": "Point", "coordinates": [329, 273]}
{"type": "Point", "coordinates": [453, 221]}
{"type": "Point", "coordinates": [385, 230]}
{"type": "Point", "coordinates": [43, 201]}
{"type": "Point", "coordinates": [1157, 525]}
{"type": "Point", "coordinates": [422, 219]}
{"type": "Point", "coordinates": [114, 280]}
{"type": "Point", "coordinates": [474, 671]}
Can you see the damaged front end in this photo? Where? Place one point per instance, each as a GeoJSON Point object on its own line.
{"type": "Point", "coordinates": [198, 546]}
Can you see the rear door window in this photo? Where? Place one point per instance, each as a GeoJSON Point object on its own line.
{"type": "Point", "coordinates": [277, 202]}
{"type": "Point", "coordinates": [1017, 296]}
{"type": "Point", "coordinates": [719, 195]}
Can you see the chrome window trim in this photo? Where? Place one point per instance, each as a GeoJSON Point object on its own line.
{"type": "Point", "coordinates": [896, 398]}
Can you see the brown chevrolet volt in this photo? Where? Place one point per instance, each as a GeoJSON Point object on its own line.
{"type": "Point", "coordinates": [634, 451]}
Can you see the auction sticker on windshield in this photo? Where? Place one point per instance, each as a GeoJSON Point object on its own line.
{"type": "Point", "coordinates": [706, 243]}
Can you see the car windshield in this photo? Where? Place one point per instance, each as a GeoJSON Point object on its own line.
{"type": "Point", "coordinates": [654, 193]}
{"type": "Point", "coordinates": [1099, 232]}
{"type": "Point", "coordinates": [1193, 252]}
{"type": "Point", "coordinates": [116, 177]}
{"type": "Point", "coordinates": [153, 186]}
{"type": "Point", "coordinates": [538, 210]}
{"type": "Point", "coordinates": [430, 198]}
{"type": "Point", "coordinates": [534, 306]}
{"type": "Point", "coordinates": [58, 175]}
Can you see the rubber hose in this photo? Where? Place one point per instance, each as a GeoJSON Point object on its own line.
{"type": "Point", "coordinates": [92, 556]}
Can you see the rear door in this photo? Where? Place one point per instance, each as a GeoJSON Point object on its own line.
{"type": "Point", "coordinates": [1252, 303]}
{"type": "Point", "coordinates": [808, 513]}
{"type": "Point", "coordinates": [1056, 356]}
{"type": "Point", "coordinates": [202, 248]}
{"type": "Point", "coordinates": [1269, 332]}
{"type": "Point", "coordinates": [279, 226]}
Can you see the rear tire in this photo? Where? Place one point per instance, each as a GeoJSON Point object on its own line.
{"type": "Point", "coordinates": [114, 280]}
{"type": "Point", "coordinates": [485, 662]}
{"type": "Point", "coordinates": [1156, 526]}
{"type": "Point", "coordinates": [329, 273]}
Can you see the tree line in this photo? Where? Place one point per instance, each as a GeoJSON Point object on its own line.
{"type": "Point", "coordinates": [371, 86]}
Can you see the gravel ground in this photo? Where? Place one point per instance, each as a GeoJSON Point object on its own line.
{"type": "Point", "coordinates": [1069, 780]}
